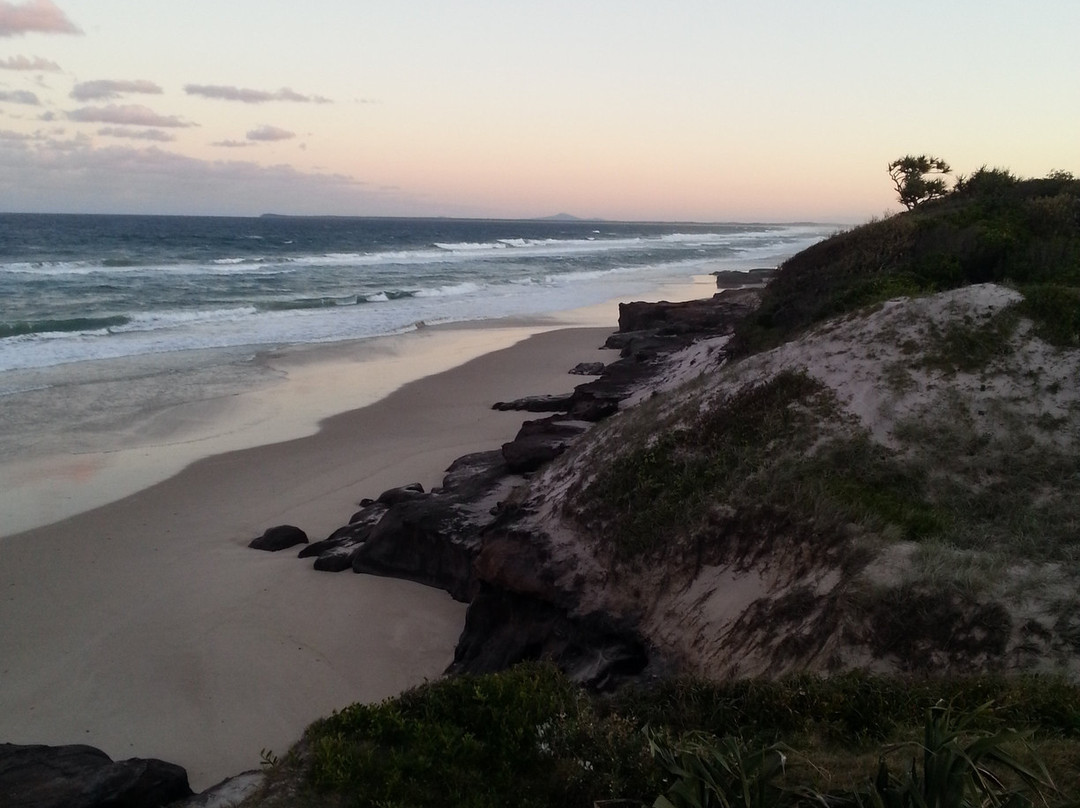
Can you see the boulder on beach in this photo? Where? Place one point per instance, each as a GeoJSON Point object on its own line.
{"type": "Point", "coordinates": [280, 537]}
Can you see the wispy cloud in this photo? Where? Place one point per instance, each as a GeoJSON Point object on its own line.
{"type": "Point", "coordinates": [268, 132]}
{"type": "Point", "coordinates": [104, 89]}
{"type": "Point", "coordinates": [27, 63]}
{"type": "Point", "coordinates": [126, 115]}
{"type": "Point", "coordinates": [20, 97]}
{"type": "Point", "coordinates": [137, 134]}
{"type": "Point", "coordinates": [232, 144]}
{"type": "Point", "coordinates": [248, 96]}
{"type": "Point", "coordinates": [34, 16]}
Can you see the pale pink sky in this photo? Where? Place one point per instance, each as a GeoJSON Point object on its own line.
{"type": "Point", "coordinates": [618, 109]}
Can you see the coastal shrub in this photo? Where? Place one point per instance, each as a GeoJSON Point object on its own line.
{"type": "Point", "coordinates": [958, 766]}
{"type": "Point", "coordinates": [777, 453]}
{"type": "Point", "coordinates": [475, 741]}
{"type": "Point", "coordinates": [992, 228]}
{"type": "Point", "coordinates": [964, 346]}
{"type": "Point", "coordinates": [727, 771]}
{"type": "Point", "coordinates": [954, 765]}
{"type": "Point", "coordinates": [529, 737]}
{"type": "Point", "coordinates": [855, 709]}
{"type": "Point", "coordinates": [1055, 310]}
{"type": "Point", "coordinates": [658, 493]}
{"type": "Point", "coordinates": [981, 485]}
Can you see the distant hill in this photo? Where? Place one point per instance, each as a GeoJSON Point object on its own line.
{"type": "Point", "coordinates": [562, 217]}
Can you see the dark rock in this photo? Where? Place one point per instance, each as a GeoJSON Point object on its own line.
{"type": "Point", "coordinates": [337, 559]}
{"type": "Point", "coordinates": [370, 512]}
{"type": "Point", "coordinates": [729, 278]}
{"type": "Point", "coordinates": [85, 777]}
{"type": "Point", "coordinates": [401, 494]}
{"type": "Point", "coordinates": [594, 409]}
{"type": "Point", "coordinates": [712, 316]}
{"type": "Point", "coordinates": [335, 552]}
{"type": "Point", "coordinates": [472, 476]}
{"type": "Point", "coordinates": [587, 369]}
{"type": "Point", "coordinates": [430, 541]}
{"type": "Point", "coordinates": [537, 403]}
{"type": "Point", "coordinates": [539, 442]}
{"type": "Point", "coordinates": [280, 537]}
{"type": "Point", "coordinates": [599, 399]}
{"type": "Point", "coordinates": [503, 628]}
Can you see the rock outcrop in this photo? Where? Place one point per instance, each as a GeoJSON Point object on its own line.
{"type": "Point", "coordinates": [472, 537]}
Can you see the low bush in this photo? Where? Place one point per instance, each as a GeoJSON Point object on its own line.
{"type": "Point", "coordinates": [528, 737]}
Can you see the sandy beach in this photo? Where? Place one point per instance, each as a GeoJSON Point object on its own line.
{"type": "Point", "coordinates": [134, 618]}
{"type": "Point", "coordinates": [147, 628]}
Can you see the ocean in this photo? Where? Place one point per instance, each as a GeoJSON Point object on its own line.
{"type": "Point", "coordinates": [76, 288]}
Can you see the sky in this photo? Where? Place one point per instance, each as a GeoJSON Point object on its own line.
{"type": "Point", "coordinates": [685, 110]}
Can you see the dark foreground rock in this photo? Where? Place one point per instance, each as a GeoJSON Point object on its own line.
{"type": "Point", "coordinates": [280, 537]}
{"type": "Point", "coordinates": [85, 777]}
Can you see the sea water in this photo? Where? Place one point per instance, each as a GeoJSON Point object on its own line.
{"type": "Point", "coordinates": [131, 346]}
{"type": "Point", "coordinates": [76, 288]}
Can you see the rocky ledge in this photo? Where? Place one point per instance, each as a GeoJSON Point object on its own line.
{"type": "Point", "coordinates": [468, 536]}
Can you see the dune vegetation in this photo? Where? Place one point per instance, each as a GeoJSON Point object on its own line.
{"type": "Point", "coordinates": [937, 667]}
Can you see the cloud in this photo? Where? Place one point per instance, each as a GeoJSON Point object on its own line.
{"type": "Point", "coordinates": [232, 144]}
{"type": "Point", "coordinates": [267, 132]}
{"type": "Point", "coordinates": [127, 115]}
{"type": "Point", "coordinates": [51, 175]}
{"type": "Point", "coordinates": [104, 89]}
{"type": "Point", "coordinates": [20, 97]}
{"type": "Point", "coordinates": [34, 16]}
{"type": "Point", "coordinates": [25, 63]}
{"type": "Point", "coordinates": [247, 96]}
{"type": "Point", "coordinates": [137, 134]}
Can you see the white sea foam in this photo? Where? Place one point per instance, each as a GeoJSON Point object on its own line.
{"type": "Point", "coordinates": [452, 290]}
{"type": "Point", "coordinates": [265, 300]}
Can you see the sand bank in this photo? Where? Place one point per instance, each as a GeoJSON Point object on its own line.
{"type": "Point", "coordinates": [146, 627]}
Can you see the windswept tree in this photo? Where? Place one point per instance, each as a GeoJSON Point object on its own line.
{"type": "Point", "coordinates": [914, 178]}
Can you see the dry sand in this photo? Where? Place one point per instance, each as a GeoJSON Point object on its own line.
{"type": "Point", "coordinates": [147, 628]}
